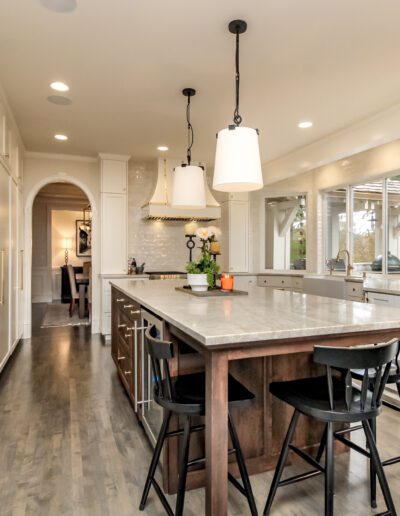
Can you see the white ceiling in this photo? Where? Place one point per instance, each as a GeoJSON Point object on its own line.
{"type": "Point", "coordinates": [331, 61]}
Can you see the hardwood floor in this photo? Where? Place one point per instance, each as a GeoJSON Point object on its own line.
{"type": "Point", "coordinates": [70, 443]}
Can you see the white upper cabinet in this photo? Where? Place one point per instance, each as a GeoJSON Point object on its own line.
{"type": "Point", "coordinates": [5, 135]}
{"type": "Point", "coordinates": [114, 175]}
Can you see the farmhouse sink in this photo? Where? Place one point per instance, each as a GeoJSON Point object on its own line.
{"type": "Point", "coordinates": [325, 285]}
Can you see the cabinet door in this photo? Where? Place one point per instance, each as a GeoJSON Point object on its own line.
{"type": "Point", "coordinates": [113, 176]}
{"type": "Point", "coordinates": [238, 236]}
{"type": "Point", "coordinates": [4, 264]}
{"type": "Point", "coordinates": [14, 264]}
{"type": "Point", "coordinates": [114, 234]}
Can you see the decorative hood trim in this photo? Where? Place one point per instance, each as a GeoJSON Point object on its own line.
{"type": "Point", "coordinates": [159, 206]}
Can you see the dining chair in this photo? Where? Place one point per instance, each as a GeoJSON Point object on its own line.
{"type": "Point", "coordinates": [74, 291]}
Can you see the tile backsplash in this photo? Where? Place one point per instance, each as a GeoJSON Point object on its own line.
{"type": "Point", "coordinates": [162, 245]}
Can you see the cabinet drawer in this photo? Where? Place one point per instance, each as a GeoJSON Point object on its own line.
{"type": "Point", "coordinates": [383, 299]}
{"type": "Point", "coordinates": [355, 298]}
{"type": "Point", "coordinates": [354, 289]}
{"type": "Point", "coordinates": [126, 332]}
{"type": "Point", "coordinates": [124, 363]}
{"type": "Point", "coordinates": [297, 283]}
{"type": "Point", "coordinates": [275, 281]}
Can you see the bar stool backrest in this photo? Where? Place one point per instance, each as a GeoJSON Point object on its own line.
{"type": "Point", "coordinates": [377, 357]}
{"type": "Point", "coordinates": [160, 352]}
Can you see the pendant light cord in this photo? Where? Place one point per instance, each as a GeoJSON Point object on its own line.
{"type": "Point", "coordinates": [236, 116]}
{"type": "Point", "coordinates": [190, 132]}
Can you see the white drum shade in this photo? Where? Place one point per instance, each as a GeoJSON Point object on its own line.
{"type": "Point", "coordinates": [188, 187]}
{"type": "Point", "coordinates": [237, 161]}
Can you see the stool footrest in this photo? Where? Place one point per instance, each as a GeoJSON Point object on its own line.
{"type": "Point", "coordinates": [390, 462]}
{"type": "Point", "coordinates": [307, 458]}
{"type": "Point", "coordinates": [298, 478]}
{"type": "Point", "coordinates": [391, 405]}
{"type": "Point", "coordinates": [162, 498]}
{"type": "Point", "coordinates": [235, 483]}
{"type": "Point", "coordinates": [352, 445]}
{"type": "Point", "coordinates": [175, 433]}
{"type": "Point", "coordinates": [348, 430]}
{"type": "Point", "coordinates": [201, 460]}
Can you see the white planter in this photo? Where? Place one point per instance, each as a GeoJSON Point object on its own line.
{"type": "Point", "coordinates": [198, 282]}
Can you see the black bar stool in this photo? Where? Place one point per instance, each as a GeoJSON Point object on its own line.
{"type": "Point", "coordinates": [185, 395]}
{"type": "Point", "coordinates": [333, 399]}
{"type": "Point", "coordinates": [394, 379]}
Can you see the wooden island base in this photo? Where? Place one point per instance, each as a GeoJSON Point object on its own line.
{"type": "Point", "coordinates": [261, 425]}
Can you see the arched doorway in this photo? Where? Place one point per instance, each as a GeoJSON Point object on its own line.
{"type": "Point", "coordinates": [65, 179]}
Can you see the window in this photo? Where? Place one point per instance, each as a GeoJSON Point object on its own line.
{"type": "Point", "coordinates": [393, 225]}
{"type": "Point", "coordinates": [285, 233]}
{"type": "Point", "coordinates": [367, 235]}
{"type": "Point", "coordinates": [366, 220]}
{"type": "Point", "coordinates": [336, 226]}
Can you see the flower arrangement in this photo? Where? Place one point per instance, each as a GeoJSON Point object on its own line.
{"type": "Point", "coordinates": [205, 264]}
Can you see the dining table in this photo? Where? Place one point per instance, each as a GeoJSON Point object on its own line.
{"type": "Point", "coordinates": [82, 281]}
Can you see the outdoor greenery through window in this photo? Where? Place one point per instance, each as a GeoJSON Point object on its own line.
{"type": "Point", "coordinates": [285, 233]}
{"type": "Point", "coordinates": [370, 229]}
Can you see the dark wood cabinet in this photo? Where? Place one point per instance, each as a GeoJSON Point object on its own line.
{"type": "Point", "coordinates": [126, 337]}
{"type": "Point", "coordinates": [65, 288]}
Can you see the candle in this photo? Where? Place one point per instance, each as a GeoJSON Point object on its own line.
{"type": "Point", "coordinates": [190, 228]}
{"type": "Point", "coordinates": [226, 282]}
{"type": "Point", "coordinates": [215, 247]}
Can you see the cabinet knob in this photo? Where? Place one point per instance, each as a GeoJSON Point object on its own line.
{"type": "Point", "coordinates": [128, 335]}
{"type": "Point", "coordinates": [121, 325]}
{"type": "Point", "coordinates": [128, 306]}
{"type": "Point", "coordinates": [120, 300]}
{"type": "Point", "coordinates": [121, 358]}
{"type": "Point", "coordinates": [135, 312]}
{"type": "Point", "coordinates": [127, 372]}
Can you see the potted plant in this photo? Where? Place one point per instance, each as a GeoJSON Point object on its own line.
{"type": "Point", "coordinates": [201, 273]}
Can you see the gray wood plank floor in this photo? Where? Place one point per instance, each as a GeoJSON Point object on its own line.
{"type": "Point", "coordinates": [70, 443]}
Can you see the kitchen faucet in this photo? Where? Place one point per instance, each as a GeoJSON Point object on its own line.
{"type": "Point", "coordinates": [349, 267]}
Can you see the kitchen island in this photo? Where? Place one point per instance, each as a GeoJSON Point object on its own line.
{"type": "Point", "coordinates": [263, 337]}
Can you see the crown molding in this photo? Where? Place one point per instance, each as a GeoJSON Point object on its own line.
{"type": "Point", "coordinates": [63, 157]}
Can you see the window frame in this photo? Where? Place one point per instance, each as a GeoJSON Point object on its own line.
{"type": "Point", "coordinates": [349, 217]}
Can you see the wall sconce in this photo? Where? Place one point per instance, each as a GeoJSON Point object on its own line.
{"type": "Point", "coordinates": [66, 247]}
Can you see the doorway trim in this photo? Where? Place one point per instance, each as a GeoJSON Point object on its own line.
{"type": "Point", "coordinates": [61, 177]}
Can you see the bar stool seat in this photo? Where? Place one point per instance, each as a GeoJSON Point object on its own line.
{"type": "Point", "coordinates": [311, 397]}
{"type": "Point", "coordinates": [188, 394]}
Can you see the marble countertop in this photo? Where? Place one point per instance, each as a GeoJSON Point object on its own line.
{"type": "Point", "coordinates": [265, 314]}
{"type": "Point", "coordinates": [132, 276]}
{"type": "Point", "coordinates": [384, 285]}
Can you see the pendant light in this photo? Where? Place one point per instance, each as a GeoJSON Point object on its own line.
{"type": "Point", "coordinates": [237, 157]}
{"type": "Point", "coordinates": [188, 182]}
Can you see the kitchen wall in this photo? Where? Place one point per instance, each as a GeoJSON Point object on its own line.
{"type": "Point", "coordinates": [161, 244]}
{"type": "Point", "coordinates": [383, 160]}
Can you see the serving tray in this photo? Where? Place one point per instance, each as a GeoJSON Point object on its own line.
{"type": "Point", "coordinates": [217, 292]}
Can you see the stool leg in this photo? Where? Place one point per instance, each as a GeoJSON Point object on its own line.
{"type": "Point", "coordinates": [329, 471]}
{"type": "Point", "coordinates": [398, 387]}
{"type": "Point", "coordinates": [281, 462]}
{"type": "Point", "coordinates": [322, 445]}
{"type": "Point", "coordinates": [155, 459]}
{"type": "Point", "coordinates": [379, 469]}
{"type": "Point", "coordinates": [242, 467]}
{"type": "Point", "coordinates": [372, 470]}
{"type": "Point", "coordinates": [180, 499]}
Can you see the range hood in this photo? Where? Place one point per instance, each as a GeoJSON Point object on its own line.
{"type": "Point", "coordinates": [159, 207]}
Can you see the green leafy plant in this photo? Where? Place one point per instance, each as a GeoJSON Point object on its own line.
{"type": "Point", "coordinates": [205, 264]}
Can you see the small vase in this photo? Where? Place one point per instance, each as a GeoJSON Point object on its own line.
{"type": "Point", "coordinates": [198, 282]}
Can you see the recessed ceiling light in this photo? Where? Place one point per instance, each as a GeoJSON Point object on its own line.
{"type": "Point", "coordinates": [162, 148]}
{"type": "Point", "coordinates": [59, 86]}
{"type": "Point", "coordinates": [61, 137]}
{"type": "Point", "coordinates": [60, 6]}
{"type": "Point", "coordinates": [306, 124]}
{"type": "Point", "coordinates": [59, 100]}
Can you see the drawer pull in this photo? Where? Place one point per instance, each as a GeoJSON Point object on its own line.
{"type": "Point", "coordinates": [127, 372]}
{"type": "Point", "coordinates": [121, 325]}
{"type": "Point", "coordinates": [128, 335]}
{"type": "Point", "coordinates": [135, 312]}
{"type": "Point", "coordinates": [121, 358]}
{"type": "Point", "coordinates": [128, 306]}
{"type": "Point", "coordinates": [120, 300]}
